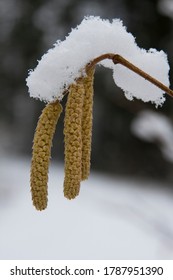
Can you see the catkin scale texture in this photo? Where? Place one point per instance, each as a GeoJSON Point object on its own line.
{"type": "Point", "coordinates": [41, 153]}
{"type": "Point", "coordinates": [73, 140]}
{"type": "Point", "coordinates": [87, 119]}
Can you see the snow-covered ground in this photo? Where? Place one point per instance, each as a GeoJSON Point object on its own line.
{"type": "Point", "coordinates": [113, 218]}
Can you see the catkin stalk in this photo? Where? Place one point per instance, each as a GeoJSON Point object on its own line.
{"type": "Point", "coordinates": [41, 153]}
{"type": "Point", "coordinates": [87, 119]}
{"type": "Point", "coordinates": [73, 140]}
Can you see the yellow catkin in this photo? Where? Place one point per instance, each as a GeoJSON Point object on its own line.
{"type": "Point", "coordinates": [73, 140]}
{"type": "Point", "coordinates": [41, 153]}
{"type": "Point", "coordinates": [87, 123]}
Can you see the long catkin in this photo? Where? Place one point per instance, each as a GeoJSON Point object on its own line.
{"type": "Point", "coordinates": [73, 140]}
{"type": "Point", "coordinates": [41, 153]}
{"type": "Point", "coordinates": [87, 119]}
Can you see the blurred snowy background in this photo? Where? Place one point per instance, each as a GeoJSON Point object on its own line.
{"type": "Point", "coordinates": [125, 209]}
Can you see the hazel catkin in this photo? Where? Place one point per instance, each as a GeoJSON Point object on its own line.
{"type": "Point", "coordinates": [73, 139]}
{"type": "Point", "coordinates": [41, 153]}
{"type": "Point", "coordinates": [87, 119]}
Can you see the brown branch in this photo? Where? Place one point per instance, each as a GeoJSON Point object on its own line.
{"type": "Point", "coordinates": [119, 59]}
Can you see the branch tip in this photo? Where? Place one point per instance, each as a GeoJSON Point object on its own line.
{"type": "Point", "coordinates": [118, 59]}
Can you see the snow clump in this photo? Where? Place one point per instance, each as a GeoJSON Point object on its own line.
{"type": "Point", "coordinates": [66, 61]}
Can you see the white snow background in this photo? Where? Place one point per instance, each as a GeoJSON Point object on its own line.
{"type": "Point", "coordinates": [155, 127]}
{"type": "Point", "coordinates": [112, 218]}
{"type": "Point", "coordinates": [62, 64]}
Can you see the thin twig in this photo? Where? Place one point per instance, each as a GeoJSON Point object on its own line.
{"type": "Point", "coordinates": [119, 59]}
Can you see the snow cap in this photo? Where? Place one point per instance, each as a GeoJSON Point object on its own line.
{"type": "Point", "coordinates": [66, 61]}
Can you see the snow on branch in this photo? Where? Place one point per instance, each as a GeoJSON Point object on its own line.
{"type": "Point", "coordinates": [66, 61]}
{"type": "Point", "coordinates": [69, 68]}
